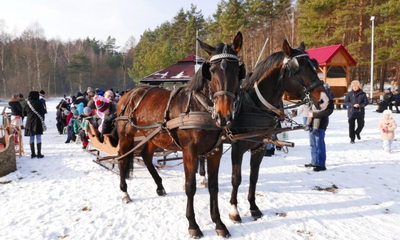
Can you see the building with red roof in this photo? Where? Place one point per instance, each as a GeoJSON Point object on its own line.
{"type": "Point", "coordinates": [181, 72]}
{"type": "Point", "coordinates": [334, 64]}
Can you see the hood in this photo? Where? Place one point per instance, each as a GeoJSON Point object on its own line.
{"type": "Point", "coordinates": [33, 95]}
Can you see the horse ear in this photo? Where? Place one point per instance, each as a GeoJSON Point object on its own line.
{"type": "Point", "coordinates": [302, 46]}
{"type": "Point", "coordinates": [242, 71]}
{"type": "Point", "coordinates": [207, 48]}
{"type": "Point", "coordinates": [205, 71]}
{"type": "Point", "coordinates": [286, 48]}
{"type": "Point", "coordinates": [237, 42]}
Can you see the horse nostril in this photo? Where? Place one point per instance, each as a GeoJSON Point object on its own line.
{"type": "Point", "coordinates": [321, 101]}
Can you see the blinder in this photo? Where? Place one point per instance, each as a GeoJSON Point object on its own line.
{"type": "Point", "coordinates": [205, 70]}
{"type": "Point", "coordinates": [242, 71]}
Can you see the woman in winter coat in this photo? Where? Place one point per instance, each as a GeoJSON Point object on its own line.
{"type": "Point", "coordinates": [16, 109]}
{"type": "Point", "coordinates": [386, 126]}
{"type": "Point", "coordinates": [356, 100]}
{"type": "Point", "coordinates": [35, 123]}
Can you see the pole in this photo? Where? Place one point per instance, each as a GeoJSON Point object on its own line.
{"type": "Point", "coordinates": [372, 59]}
{"type": "Point", "coordinates": [261, 52]}
{"type": "Point", "coordinates": [123, 57]}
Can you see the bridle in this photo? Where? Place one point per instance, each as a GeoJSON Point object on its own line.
{"type": "Point", "coordinates": [222, 58]}
{"type": "Point", "coordinates": [292, 66]}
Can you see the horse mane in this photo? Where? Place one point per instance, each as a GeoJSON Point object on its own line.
{"type": "Point", "coordinates": [263, 68]}
{"type": "Point", "coordinates": [197, 82]}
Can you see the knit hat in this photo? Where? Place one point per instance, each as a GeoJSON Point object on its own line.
{"type": "Point", "coordinates": [102, 104]}
{"type": "Point", "coordinates": [387, 111]}
{"type": "Point", "coordinates": [76, 113]}
{"type": "Point", "coordinates": [42, 92]}
{"type": "Point", "coordinates": [87, 110]}
{"type": "Point", "coordinates": [89, 89]}
{"type": "Point", "coordinates": [355, 83]}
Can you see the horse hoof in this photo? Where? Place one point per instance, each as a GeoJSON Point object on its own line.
{"type": "Point", "coordinates": [256, 214]}
{"type": "Point", "coordinates": [161, 192]}
{"type": "Point", "coordinates": [223, 233]}
{"type": "Point", "coordinates": [235, 218]}
{"type": "Point", "coordinates": [126, 199]}
{"type": "Point", "coordinates": [195, 233]}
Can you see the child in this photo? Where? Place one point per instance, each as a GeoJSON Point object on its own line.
{"type": "Point", "coordinates": [70, 128]}
{"type": "Point", "coordinates": [78, 129]}
{"type": "Point", "coordinates": [315, 123]}
{"type": "Point", "coordinates": [386, 126]}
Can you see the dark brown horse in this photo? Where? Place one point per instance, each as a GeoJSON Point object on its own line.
{"type": "Point", "coordinates": [290, 70]}
{"type": "Point", "coordinates": [154, 111]}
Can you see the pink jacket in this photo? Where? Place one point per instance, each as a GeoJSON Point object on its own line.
{"type": "Point", "coordinates": [389, 126]}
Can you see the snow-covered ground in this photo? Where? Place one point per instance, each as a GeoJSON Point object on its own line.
{"type": "Point", "coordinates": [66, 196]}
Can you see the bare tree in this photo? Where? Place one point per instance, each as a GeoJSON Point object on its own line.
{"type": "Point", "coordinates": [4, 39]}
{"type": "Point", "coordinates": [53, 51]}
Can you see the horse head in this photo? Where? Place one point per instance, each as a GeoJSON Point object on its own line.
{"type": "Point", "coordinates": [223, 71]}
{"type": "Point", "coordinates": [299, 77]}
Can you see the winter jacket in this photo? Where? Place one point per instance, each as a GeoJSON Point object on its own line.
{"type": "Point", "coordinates": [16, 108]}
{"type": "Point", "coordinates": [359, 97]}
{"type": "Point", "coordinates": [324, 115]}
{"type": "Point", "coordinates": [389, 125]}
{"type": "Point", "coordinates": [33, 123]}
{"type": "Point", "coordinates": [388, 97]}
{"type": "Point", "coordinates": [396, 98]}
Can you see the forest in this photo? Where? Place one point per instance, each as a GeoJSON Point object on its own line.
{"type": "Point", "coordinates": [32, 62]}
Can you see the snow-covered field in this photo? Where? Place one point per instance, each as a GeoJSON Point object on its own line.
{"type": "Point", "coordinates": [67, 196]}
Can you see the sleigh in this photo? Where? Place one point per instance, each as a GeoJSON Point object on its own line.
{"type": "Point", "coordinates": [106, 153]}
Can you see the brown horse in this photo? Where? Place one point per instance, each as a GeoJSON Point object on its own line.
{"type": "Point", "coordinates": [290, 70]}
{"type": "Point", "coordinates": [154, 111]}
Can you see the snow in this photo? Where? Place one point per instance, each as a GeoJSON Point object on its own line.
{"type": "Point", "coordinates": [66, 196]}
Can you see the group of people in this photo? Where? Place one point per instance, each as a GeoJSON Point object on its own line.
{"type": "Point", "coordinates": [93, 106]}
{"type": "Point", "coordinates": [356, 101]}
{"type": "Point", "coordinates": [390, 99]}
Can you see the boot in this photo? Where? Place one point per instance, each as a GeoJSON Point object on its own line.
{"type": "Point", "coordinates": [39, 149]}
{"type": "Point", "coordinates": [33, 154]}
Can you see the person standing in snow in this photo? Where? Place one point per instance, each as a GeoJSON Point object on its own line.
{"type": "Point", "coordinates": [35, 126]}
{"type": "Point", "coordinates": [317, 140]}
{"type": "Point", "coordinates": [356, 100]}
{"type": "Point", "coordinates": [386, 126]}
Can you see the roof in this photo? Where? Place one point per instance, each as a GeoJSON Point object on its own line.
{"type": "Point", "coordinates": [325, 55]}
{"type": "Point", "coordinates": [182, 71]}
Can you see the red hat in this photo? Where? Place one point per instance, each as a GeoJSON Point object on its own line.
{"type": "Point", "coordinates": [101, 105]}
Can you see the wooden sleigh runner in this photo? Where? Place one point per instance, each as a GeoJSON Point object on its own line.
{"type": "Point", "coordinates": [109, 160]}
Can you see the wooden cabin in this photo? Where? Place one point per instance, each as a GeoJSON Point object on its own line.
{"type": "Point", "coordinates": [334, 65]}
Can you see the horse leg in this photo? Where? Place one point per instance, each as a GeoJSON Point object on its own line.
{"type": "Point", "coordinates": [202, 171]}
{"type": "Point", "coordinates": [147, 154]}
{"type": "Point", "coordinates": [190, 167]}
{"type": "Point", "coordinates": [125, 165]}
{"type": "Point", "coordinates": [213, 163]}
{"type": "Point", "coordinates": [255, 162]}
{"type": "Point", "coordinates": [236, 158]}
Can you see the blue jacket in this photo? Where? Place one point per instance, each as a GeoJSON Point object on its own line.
{"type": "Point", "coordinates": [396, 98]}
{"type": "Point", "coordinates": [359, 97]}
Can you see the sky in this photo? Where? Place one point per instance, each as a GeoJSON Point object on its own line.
{"type": "Point", "coordinates": [66, 196]}
{"type": "Point", "coordinates": [73, 19]}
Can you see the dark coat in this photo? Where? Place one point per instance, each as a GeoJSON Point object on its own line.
{"type": "Point", "coordinates": [396, 98]}
{"type": "Point", "coordinates": [33, 122]}
{"type": "Point", "coordinates": [16, 108]}
{"type": "Point", "coordinates": [324, 115]}
{"type": "Point", "coordinates": [352, 98]}
{"type": "Point", "coordinates": [109, 123]}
